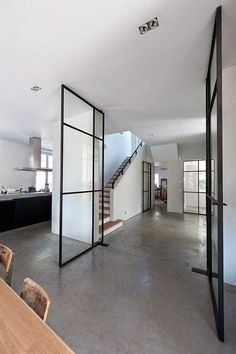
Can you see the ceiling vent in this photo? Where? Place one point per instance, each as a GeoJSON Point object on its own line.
{"type": "Point", "coordinates": [148, 26]}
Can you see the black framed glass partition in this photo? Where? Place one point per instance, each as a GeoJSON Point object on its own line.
{"type": "Point", "coordinates": [214, 167]}
{"type": "Point", "coordinates": [81, 176]}
{"type": "Point", "coordinates": [147, 192]}
{"type": "Point", "coordinates": [195, 186]}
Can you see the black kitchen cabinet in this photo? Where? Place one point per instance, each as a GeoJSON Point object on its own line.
{"type": "Point", "coordinates": [7, 214]}
{"type": "Point", "coordinates": [24, 211]}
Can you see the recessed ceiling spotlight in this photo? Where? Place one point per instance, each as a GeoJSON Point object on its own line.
{"type": "Point", "coordinates": [144, 28]}
{"type": "Point", "coordinates": [36, 88]}
{"type": "Point", "coordinates": [153, 23]}
{"type": "Point", "coordinates": [148, 26]}
{"type": "Point", "coordinates": [152, 134]}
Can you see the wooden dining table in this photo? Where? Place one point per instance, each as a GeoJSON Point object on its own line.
{"type": "Point", "coordinates": [22, 331]}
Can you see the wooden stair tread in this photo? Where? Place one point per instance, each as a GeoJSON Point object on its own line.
{"type": "Point", "coordinates": [110, 224]}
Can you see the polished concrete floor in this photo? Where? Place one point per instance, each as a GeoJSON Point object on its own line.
{"type": "Point", "coordinates": [137, 296]}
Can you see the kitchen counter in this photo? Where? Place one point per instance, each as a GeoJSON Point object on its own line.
{"type": "Point", "coordinates": [13, 196]}
{"type": "Point", "coordinates": [22, 209]}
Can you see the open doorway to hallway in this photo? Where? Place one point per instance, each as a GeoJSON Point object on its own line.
{"type": "Point", "coordinates": [161, 184]}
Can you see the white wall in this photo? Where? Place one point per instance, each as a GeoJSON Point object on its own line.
{"type": "Point", "coordinates": [164, 153]}
{"type": "Point", "coordinates": [117, 148]}
{"type": "Point", "coordinates": [229, 172]}
{"type": "Point", "coordinates": [127, 194]}
{"type": "Point", "coordinates": [192, 152]}
{"type": "Point", "coordinates": [174, 187]}
{"type": "Point", "coordinates": [14, 155]}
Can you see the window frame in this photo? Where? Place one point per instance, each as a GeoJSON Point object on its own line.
{"type": "Point", "coordinates": [47, 153]}
{"type": "Point", "coordinates": [198, 171]}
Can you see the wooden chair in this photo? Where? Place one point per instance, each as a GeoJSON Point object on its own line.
{"type": "Point", "coordinates": [7, 260]}
{"type": "Point", "coordinates": [36, 298]}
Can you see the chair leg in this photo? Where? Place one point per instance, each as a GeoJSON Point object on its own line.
{"type": "Point", "coordinates": [8, 277]}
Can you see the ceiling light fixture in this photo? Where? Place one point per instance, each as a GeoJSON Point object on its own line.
{"type": "Point", "coordinates": [36, 88]}
{"type": "Point", "coordinates": [144, 28]}
{"type": "Point", "coordinates": [153, 23]}
{"type": "Point", "coordinates": [148, 26]}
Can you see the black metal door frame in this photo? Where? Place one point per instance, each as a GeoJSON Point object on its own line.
{"type": "Point", "coordinates": [147, 170]}
{"type": "Point", "coordinates": [212, 94]}
{"type": "Point", "coordinates": [92, 191]}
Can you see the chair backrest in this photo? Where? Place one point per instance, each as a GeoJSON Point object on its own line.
{"type": "Point", "coordinates": [35, 297]}
{"type": "Point", "coordinates": [6, 259]}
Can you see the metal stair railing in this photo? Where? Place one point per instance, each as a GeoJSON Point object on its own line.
{"type": "Point", "coordinates": [125, 165]}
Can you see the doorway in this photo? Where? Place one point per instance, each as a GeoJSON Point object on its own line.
{"type": "Point", "coordinates": [81, 176]}
{"type": "Point", "coordinates": [214, 168]}
{"type": "Point", "coordinates": [163, 190]}
{"type": "Point", "coordinates": [147, 189]}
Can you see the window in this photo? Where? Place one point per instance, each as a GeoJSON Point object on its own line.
{"type": "Point", "coordinates": [195, 187]}
{"type": "Point", "coordinates": [43, 177]}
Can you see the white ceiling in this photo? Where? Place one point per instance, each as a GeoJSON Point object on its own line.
{"type": "Point", "coordinates": [150, 84]}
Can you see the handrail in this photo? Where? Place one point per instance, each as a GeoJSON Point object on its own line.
{"type": "Point", "coordinates": [127, 162]}
{"type": "Point", "coordinates": [215, 201]}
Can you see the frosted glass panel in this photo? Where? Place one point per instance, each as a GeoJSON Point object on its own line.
{"type": "Point", "coordinates": [202, 165]}
{"type": "Point", "coordinates": [214, 149]}
{"type": "Point", "coordinates": [97, 212]}
{"type": "Point", "coordinates": [76, 224]}
{"type": "Point", "coordinates": [190, 165]}
{"type": "Point", "coordinates": [146, 181]}
{"type": "Point", "coordinates": [191, 181]}
{"type": "Point", "coordinates": [98, 124]}
{"type": "Point", "coordinates": [191, 202]}
{"type": "Point", "coordinates": [98, 165]}
{"type": "Point", "coordinates": [146, 167]}
{"type": "Point", "coordinates": [78, 113]}
{"type": "Point", "coordinates": [202, 203]}
{"type": "Point", "coordinates": [202, 182]}
{"type": "Point", "coordinates": [78, 161]}
{"type": "Point", "coordinates": [146, 200]}
{"type": "Point", "coordinates": [77, 216]}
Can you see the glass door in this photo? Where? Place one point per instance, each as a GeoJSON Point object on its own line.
{"type": "Point", "coordinates": [147, 185]}
{"type": "Point", "coordinates": [195, 187]}
{"type": "Point", "coordinates": [215, 175]}
{"type": "Point", "coordinates": [81, 176]}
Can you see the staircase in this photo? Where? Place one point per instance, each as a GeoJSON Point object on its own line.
{"type": "Point", "coordinates": [112, 225]}
{"type": "Point", "coordinates": [109, 225]}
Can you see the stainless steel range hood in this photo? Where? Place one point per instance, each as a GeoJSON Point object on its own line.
{"type": "Point", "coordinates": [34, 157]}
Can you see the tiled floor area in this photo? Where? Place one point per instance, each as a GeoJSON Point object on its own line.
{"type": "Point", "coordinates": [138, 296]}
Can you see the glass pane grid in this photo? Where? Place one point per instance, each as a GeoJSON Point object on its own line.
{"type": "Point", "coordinates": [83, 139]}
{"type": "Point", "coordinates": [195, 186]}
{"type": "Point", "coordinates": [146, 185]}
